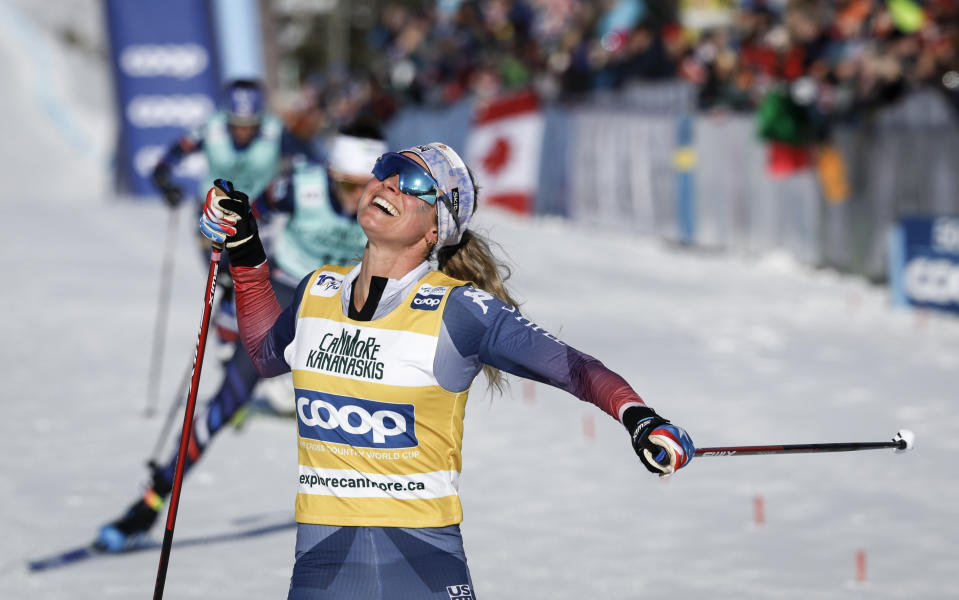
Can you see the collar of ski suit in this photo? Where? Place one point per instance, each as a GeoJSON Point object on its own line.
{"type": "Point", "coordinates": [393, 295]}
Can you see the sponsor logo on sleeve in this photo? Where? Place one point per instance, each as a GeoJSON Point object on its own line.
{"type": "Point", "coordinates": [356, 422]}
{"type": "Point", "coordinates": [479, 297]}
{"type": "Point", "coordinates": [428, 297]}
{"type": "Point", "coordinates": [327, 284]}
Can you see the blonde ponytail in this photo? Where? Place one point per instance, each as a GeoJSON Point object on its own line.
{"type": "Point", "coordinates": [473, 260]}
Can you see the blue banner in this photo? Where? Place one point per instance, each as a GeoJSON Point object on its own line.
{"type": "Point", "coordinates": [924, 262]}
{"type": "Point", "coordinates": [166, 80]}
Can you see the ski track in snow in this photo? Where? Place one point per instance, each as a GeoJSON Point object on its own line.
{"type": "Point", "coordinates": [737, 351]}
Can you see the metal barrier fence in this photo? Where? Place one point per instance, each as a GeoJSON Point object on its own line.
{"type": "Point", "coordinates": [739, 206]}
{"type": "Point", "coordinates": [624, 160]}
{"type": "Point", "coordinates": [621, 173]}
{"type": "Point", "coordinates": [901, 163]}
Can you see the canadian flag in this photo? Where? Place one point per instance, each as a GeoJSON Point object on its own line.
{"type": "Point", "coordinates": [503, 149]}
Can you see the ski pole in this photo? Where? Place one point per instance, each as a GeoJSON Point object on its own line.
{"type": "Point", "coordinates": [903, 441]}
{"type": "Point", "coordinates": [163, 309]}
{"type": "Point", "coordinates": [187, 432]}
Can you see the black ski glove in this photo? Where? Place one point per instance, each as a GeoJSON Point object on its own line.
{"type": "Point", "coordinates": [163, 180]}
{"type": "Point", "coordinates": [228, 220]}
{"type": "Point", "coordinates": [662, 447]}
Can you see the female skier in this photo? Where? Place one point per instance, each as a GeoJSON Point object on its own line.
{"type": "Point", "coordinates": [321, 202]}
{"type": "Point", "coordinates": [383, 356]}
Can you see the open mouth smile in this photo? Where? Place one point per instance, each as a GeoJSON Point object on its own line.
{"type": "Point", "coordinates": [385, 206]}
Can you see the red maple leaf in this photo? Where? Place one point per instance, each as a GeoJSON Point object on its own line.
{"type": "Point", "coordinates": [498, 156]}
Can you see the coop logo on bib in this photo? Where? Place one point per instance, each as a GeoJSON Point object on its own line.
{"type": "Point", "coordinates": [355, 421]}
{"type": "Point", "coordinates": [327, 284]}
{"type": "Point", "coordinates": [428, 297]}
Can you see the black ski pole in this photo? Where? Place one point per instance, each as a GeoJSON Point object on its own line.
{"type": "Point", "coordinates": [903, 441]}
{"type": "Point", "coordinates": [163, 310]}
{"type": "Point", "coordinates": [187, 432]}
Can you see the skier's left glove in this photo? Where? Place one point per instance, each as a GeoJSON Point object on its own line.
{"type": "Point", "coordinates": [227, 220]}
{"type": "Point", "coordinates": [663, 448]}
{"type": "Point", "coordinates": [163, 180]}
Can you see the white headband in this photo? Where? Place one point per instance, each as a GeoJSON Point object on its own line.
{"type": "Point", "coordinates": [449, 170]}
{"type": "Point", "coordinates": [355, 156]}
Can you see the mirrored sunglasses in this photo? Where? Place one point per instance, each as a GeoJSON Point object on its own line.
{"type": "Point", "coordinates": [413, 180]}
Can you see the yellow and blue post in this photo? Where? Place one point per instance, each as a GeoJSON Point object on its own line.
{"type": "Point", "coordinates": [684, 162]}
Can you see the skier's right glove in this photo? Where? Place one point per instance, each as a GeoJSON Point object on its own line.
{"type": "Point", "coordinates": [163, 180]}
{"type": "Point", "coordinates": [227, 220]}
{"type": "Point", "coordinates": [662, 447]}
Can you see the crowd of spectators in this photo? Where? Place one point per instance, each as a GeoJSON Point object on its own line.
{"type": "Point", "coordinates": [827, 61]}
{"type": "Point", "coordinates": [832, 58]}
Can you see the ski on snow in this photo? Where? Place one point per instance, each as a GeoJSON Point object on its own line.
{"type": "Point", "coordinates": [90, 551]}
{"type": "Point", "coordinates": [83, 553]}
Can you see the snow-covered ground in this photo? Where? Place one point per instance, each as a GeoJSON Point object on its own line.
{"type": "Point", "coordinates": [557, 505]}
